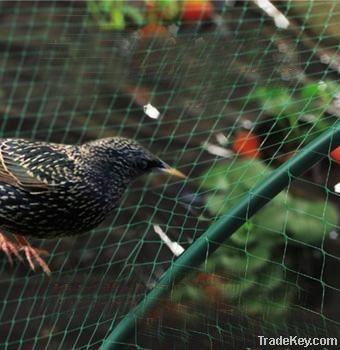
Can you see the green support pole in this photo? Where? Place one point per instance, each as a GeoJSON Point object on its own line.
{"type": "Point", "coordinates": [218, 232]}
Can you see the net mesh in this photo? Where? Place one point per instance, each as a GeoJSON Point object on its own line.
{"type": "Point", "coordinates": [239, 92]}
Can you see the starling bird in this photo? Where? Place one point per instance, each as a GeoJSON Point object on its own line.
{"type": "Point", "coordinates": [50, 190]}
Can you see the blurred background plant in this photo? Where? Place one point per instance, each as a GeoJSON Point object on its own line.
{"type": "Point", "coordinates": [301, 116]}
{"type": "Point", "coordinates": [248, 269]}
{"type": "Point", "coordinates": [117, 14]}
{"type": "Point", "coordinates": [113, 14]}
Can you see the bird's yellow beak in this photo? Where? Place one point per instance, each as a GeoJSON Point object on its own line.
{"type": "Point", "coordinates": [174, 172]}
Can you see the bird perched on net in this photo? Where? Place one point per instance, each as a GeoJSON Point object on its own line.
{"type": "Point", "coordinates": [50, 190]}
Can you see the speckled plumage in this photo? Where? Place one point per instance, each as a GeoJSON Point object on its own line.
{"type": "Point", "coordinates": [50, 190]}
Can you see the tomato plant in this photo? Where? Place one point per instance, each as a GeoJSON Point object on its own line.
{"type": "Point", "coordinates": [246, 144]}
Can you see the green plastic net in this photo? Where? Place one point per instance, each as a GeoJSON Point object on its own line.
{"type": "Point", "coordinates": [240, 87]}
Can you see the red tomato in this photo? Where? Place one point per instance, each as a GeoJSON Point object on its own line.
{"type": "Point", "coordinates": [196, 10]}
{"type": "Point", "coordinates": [335, 154]}
{"type": "Point", "coordinates": [246, 144]}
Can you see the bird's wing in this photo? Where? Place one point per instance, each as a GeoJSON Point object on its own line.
{"type": "Point", "coordinates": [34, 166]}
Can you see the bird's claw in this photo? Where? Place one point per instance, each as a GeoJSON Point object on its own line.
{"type": "Point", "coordinates": [9, 248]}
{"type": "Point", "coordinates": [34, 255]}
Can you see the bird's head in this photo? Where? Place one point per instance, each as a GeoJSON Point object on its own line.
{"type": "Point", "coordinates": [128, 157]}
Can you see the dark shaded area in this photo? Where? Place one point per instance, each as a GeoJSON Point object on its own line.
{"type": "Point", "coordinates": [63, 80]}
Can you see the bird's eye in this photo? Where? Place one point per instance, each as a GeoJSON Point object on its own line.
{"type": "Point", "coordinates": [143, 164]}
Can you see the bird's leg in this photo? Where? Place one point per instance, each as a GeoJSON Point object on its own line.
{"type": "Point", "coordinates": [33, 254]}
{"type": "Point", "coordinates": [9, 248]}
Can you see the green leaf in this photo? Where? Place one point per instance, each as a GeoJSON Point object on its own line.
{"type": "Point", "coordinates": [187, 292]}
{"type": "Point", "coordinates": [273, 305]}
{"type": "Point", "coordinates": [270, 221]}
{"type": "Point", "coordinates": [263, 306]}
{"type": "Point", "coordinates": [234, 289]}
{"type": "Point", "coordinates": [217, 204]}
{"type": "Point", "coordinates": [107, 5]}
{"type": "Point", "coordinates": [245, 235]}
{"type": "Point", "coordinates": [309, 221]}
{"type": "Point", "coordinates": [310, 90]}
{"type": "Point", "coordinates": [164, 3]}
{"type": "Point", "coordinates": [277, 101]}
{"type": "Point", "coordinates": [246, 173]}
{"type": "Point", "coordinates": [236, 260]}
{"type": "Point", "coordinates": [134, 14]}
{"type": "Point", "coordinates": [168, 8]}
{"type": "Point", "coordinates": [216, 178]}
{"type": "Point", "coordinates": [117, 19]}
{"type": "Point", "coordinates": [271, 277]}
{"type": "Point", "coordinates": [235, 177]}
